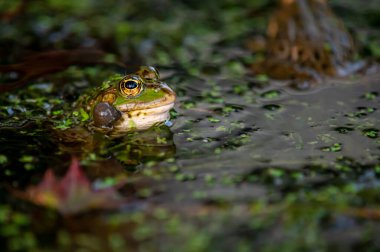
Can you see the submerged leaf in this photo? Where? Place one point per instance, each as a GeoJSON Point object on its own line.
{"type": "Point", "coordinates": [73, 193]}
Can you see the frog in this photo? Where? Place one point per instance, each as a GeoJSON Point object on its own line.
{"type": "Point", "coordinates": [126, 103]}
{"type": "Point", "coordinates": [126, 117]}
{"type": "Point", "coordinates": [306, 41]}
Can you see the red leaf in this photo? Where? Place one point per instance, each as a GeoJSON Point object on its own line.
{"type": "Point", "coordinates": [73, 193]}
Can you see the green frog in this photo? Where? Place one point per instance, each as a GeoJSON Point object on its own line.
{"type": "Point", "coordinates": [123, 107]}
{"type": "Point", "coordinates": [128, 103]}
{"type": "Point", "coordinates": [306, 41]}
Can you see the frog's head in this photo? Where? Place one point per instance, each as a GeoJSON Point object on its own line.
{"type": "Point", "coordinates": [133, 102]}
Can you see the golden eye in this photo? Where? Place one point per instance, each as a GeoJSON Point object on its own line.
{"type": "Point", "coordinates": [130, 86]}
{"type": "Point", "coordinates": [149, 74]}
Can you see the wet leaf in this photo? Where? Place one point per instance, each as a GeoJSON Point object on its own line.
{"type": "Point", "coordinates": [73, 193]}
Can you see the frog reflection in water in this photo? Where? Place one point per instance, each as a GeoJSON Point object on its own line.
{"type": "Point", "coordinates": [131, 103]}
{"type": "Point", "coordinates": [305, 41]}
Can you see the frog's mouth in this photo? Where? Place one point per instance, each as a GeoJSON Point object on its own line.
{"type": "Point", "coordinates": [148, 112]}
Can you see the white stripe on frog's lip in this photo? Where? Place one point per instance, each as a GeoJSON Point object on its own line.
{"type": "Point", "coordinates": [143, 119]}
{"type": "Point", "coordinates": [167, 99]}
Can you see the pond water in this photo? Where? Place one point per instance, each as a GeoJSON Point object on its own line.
{"type": "Point", "coordinates": [239, 148]}
{"type": "Point", "coordinates": [249, 163]}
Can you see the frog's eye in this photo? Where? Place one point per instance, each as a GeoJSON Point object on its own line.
{"type": "Point", "coordinates": [149, 74]}
{"type": "Point", "coordinates": [130, 86]}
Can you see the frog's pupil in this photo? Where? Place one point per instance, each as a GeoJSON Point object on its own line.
{"type": "Point", "coordinates": [131, 84]}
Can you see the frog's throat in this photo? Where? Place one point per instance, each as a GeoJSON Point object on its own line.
{"type": "Point", "coordinates": [143, 119]}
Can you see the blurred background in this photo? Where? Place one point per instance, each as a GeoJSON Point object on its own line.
{"type": "Point", "coordinates": [154, 32]}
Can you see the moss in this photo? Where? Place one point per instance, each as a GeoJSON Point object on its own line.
{"type": "Point", "coordinates": [3, 159]}
{"type": "Point", "coordinates": [371, 133]}
{"type": "Point", "coordinates": [272, 94]}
